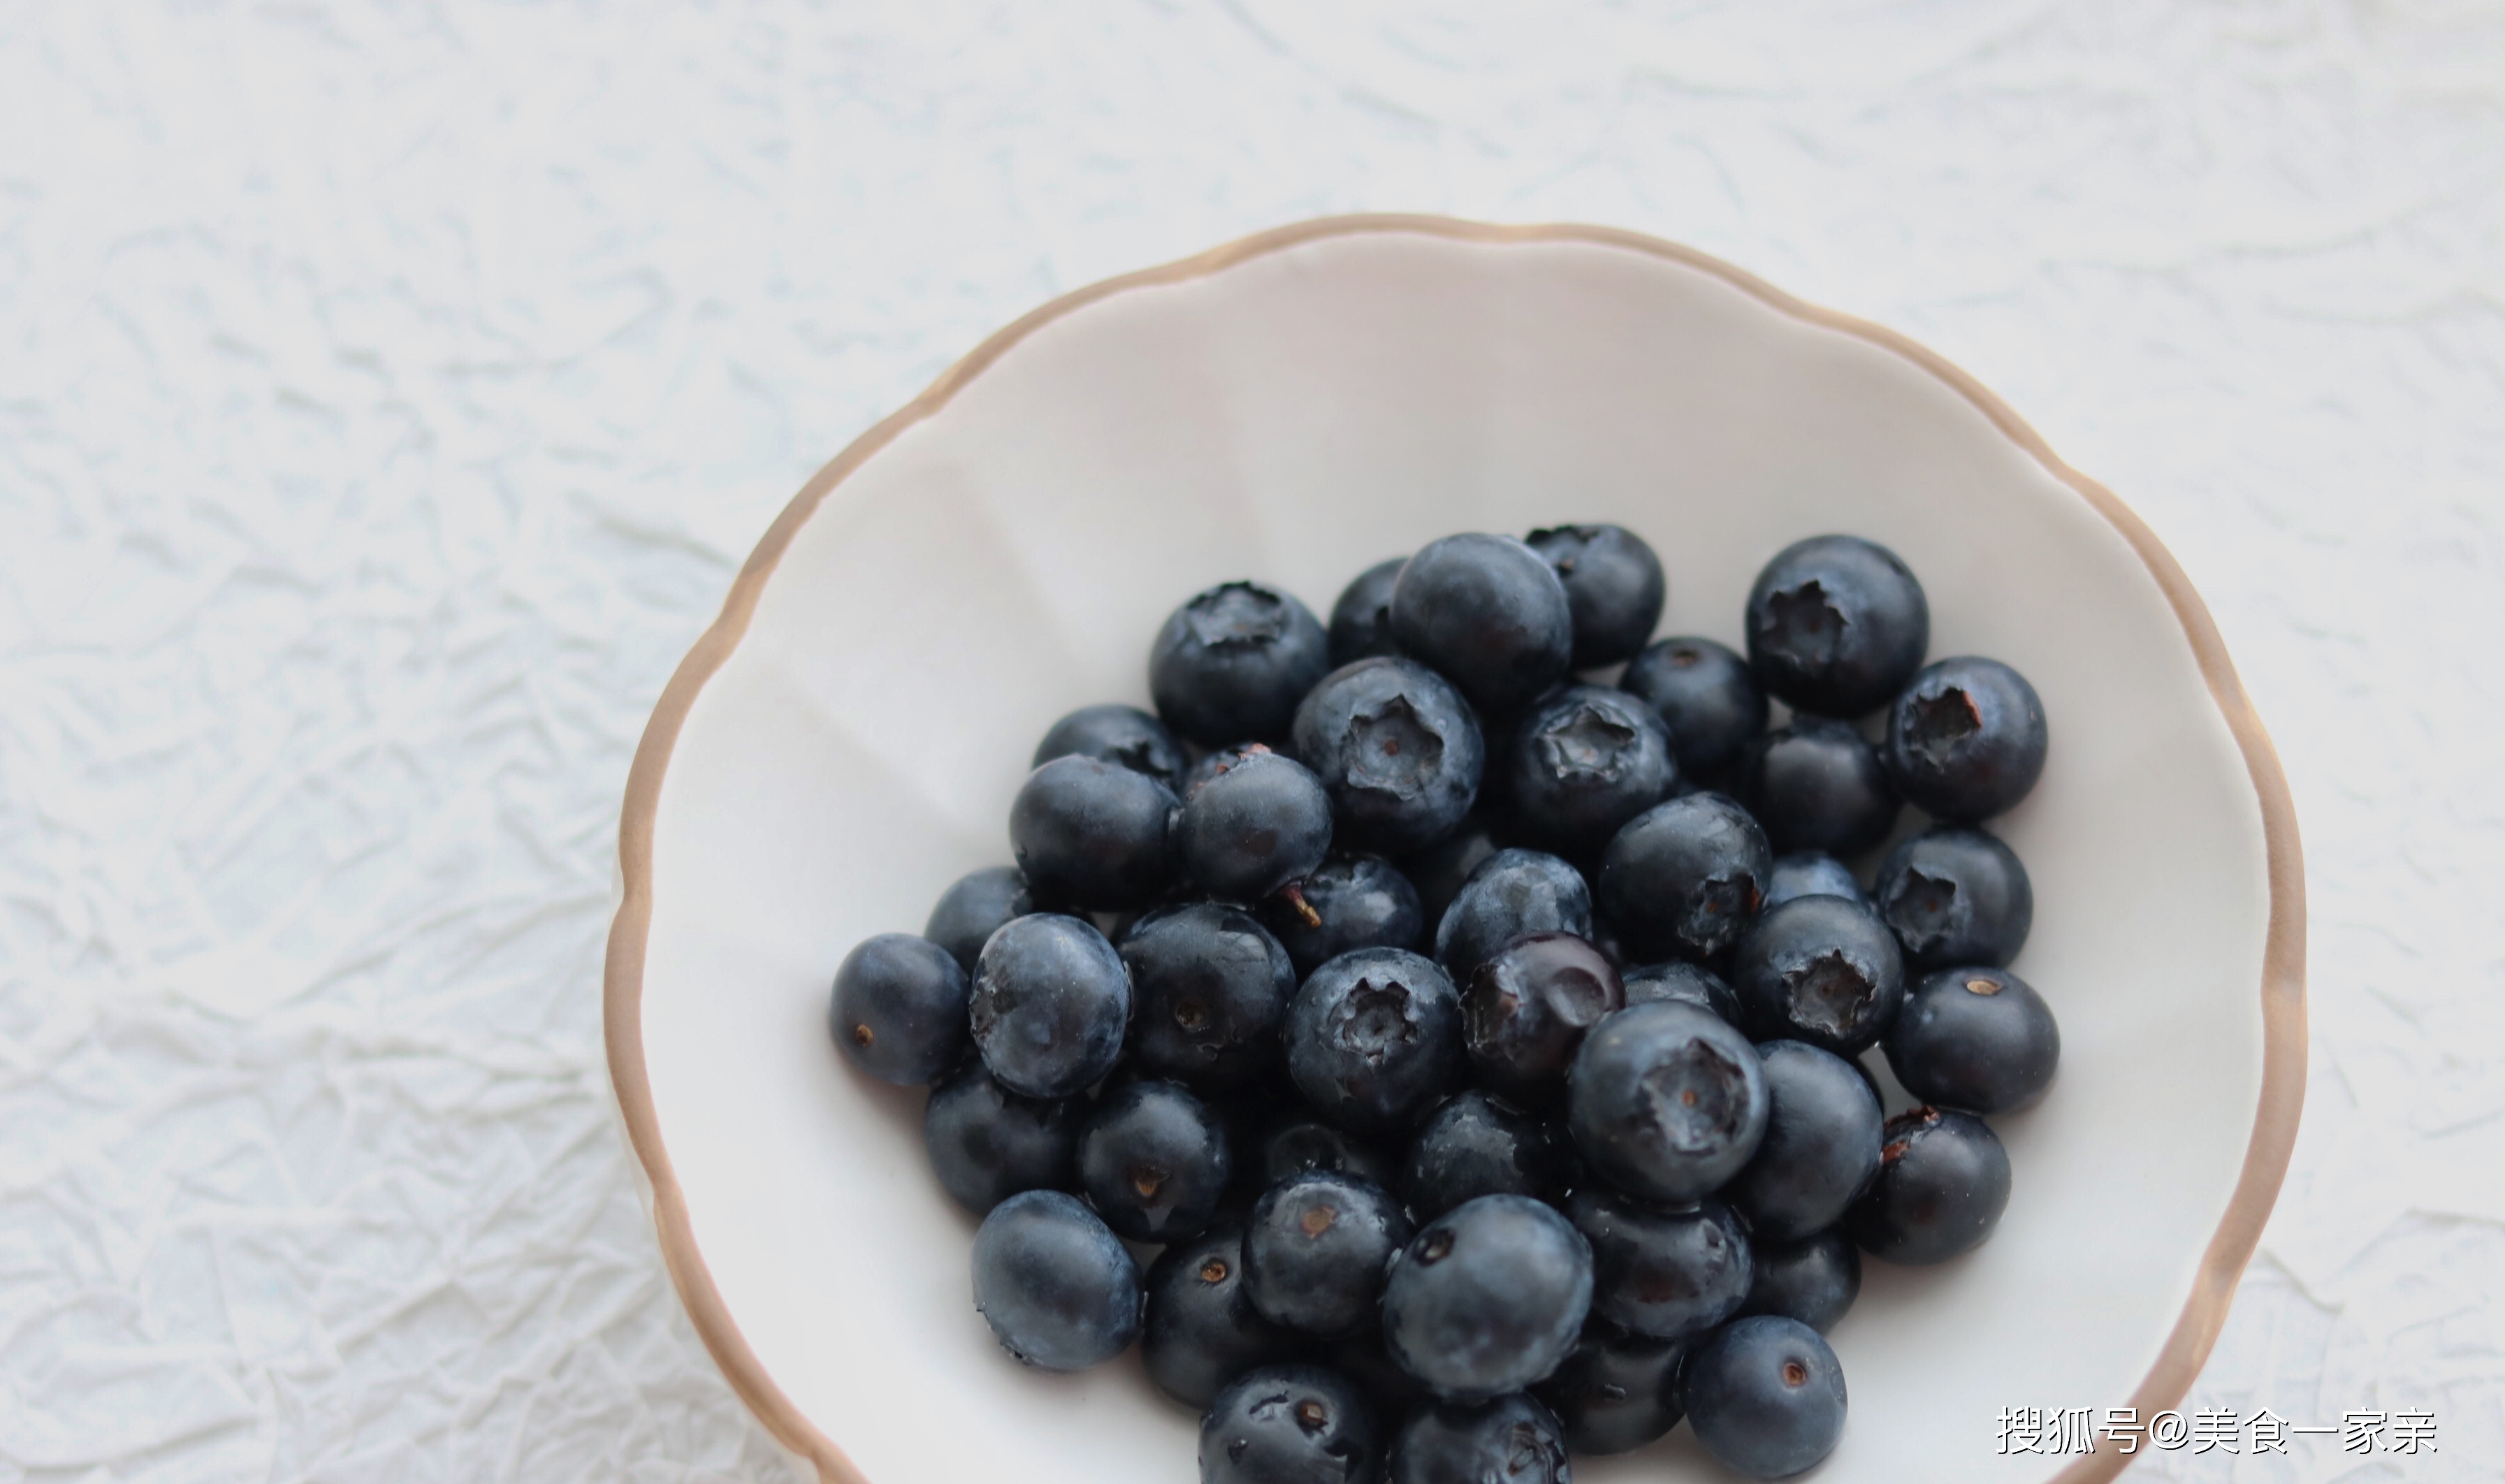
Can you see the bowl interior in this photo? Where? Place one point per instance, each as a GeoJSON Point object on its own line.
{"type": "Point", "coordinates": [1297, 416]}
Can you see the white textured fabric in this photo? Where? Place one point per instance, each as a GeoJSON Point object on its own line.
{"type": "Point", "coordinates": [389, 391]}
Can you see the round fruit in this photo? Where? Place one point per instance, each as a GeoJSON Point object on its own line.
{"type": "Point", "coordinates": [1811, 873]}
{"type": "Point", "coordinates": [1201, 1330]}
{"type": "Point", "coordinates": [1355, 902]}
{"type": "Point", "coordinates": [1966, 739]}
{"type": "Point", "coordinates": [1487, 612]}
{"type": "Point", "coordinates": [1059, 1290]}
{"type": "Point", "coordinates": [1291, 1425]}
{"type": "Point", "coordinates": [1153, 1161]}
{"type": "Point", "coordinates": [1114, 733]}
{"type": "Point", "coordinates": [987, 1144]}
{"type": "Point", "coordinates": [1211, 990]}
{"type": "Point", "coordinates": [1360, 621]}
{"type": "Point", "coordinates": [1955, 897]}
{"type": "Point", "coordinates": [1315, 1250]}
{"type": "Point", "coordinates": [1529, 1006]}
{"type": "Point", "coordinates": [1943, 1182]}
{"type": "Point", "coordinates": [1479, 1145]}
{"type": "Point", "coordinates": [1513, 891]}
{"type": "Point", "coordinates": [1685, 877]}
{"type": "Point", "coordinates": [1396, 749]}
{"type": "Point", "coordinates": [1615, 588]}
{"type": "Point", "coordinates": [1051, 999]}
{"type": "Point", "coordinates": [1813, 1280]}
{"type": "Point", "coordinates": [1584, 763]}
{"type": "Point", "coordinates": [1090, 833]}
{"type": "Point", "coordinates": [973, 909]}
{"type": "Point", "coordinates": [1821, 1144]}
{"type": "Point", "coordinates": [898, 1008]}
{"type": "Point", "coordinates": [1670, 1274]}
{"type": "Point", "coordinates": [1979, 1040]}
{"type": "Point", "coordinates": [1488, 1297]}
{"type": "Point", "coordinates": [1836, 626]}
{"type": "Point", "coordinates": [1254, 827]}
{"type": "Point", "coordinates": [1816, 784]}
{"type": "Point", "coordinates": [1612, 1393]}
{"type": "Point", "coordinates": [1231, 664]}
{"type": "Point", "coordinates": [1666, 1101]}
{"type": "Point", "coordinates": [1822, 969]}
{"type": "Point", "coordinates": [1688, 983]}
{"type": "Point", "coordinates": [1704, 694]}
{"type": "Point", "coordinates": [1510, 1440]}
{"type": "Point", "coordinates": [1766, 1396]}
{"type": "Point", "coordinates": [1374, 1037]}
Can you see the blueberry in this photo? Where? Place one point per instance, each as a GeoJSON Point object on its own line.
{"type": "Point", "coordinates": [1670, 1274]}
{"type": "Point", "coordinates": [1816, 784]}
{"type": "Point", "coordinates": [1442, 870]}
{"type": "Point", "coordinates": [1052, 999]}
{"type": "Point", "coordinates": [1202, 1331]}
{"type": "Point", "coordinates": [1813, 1280]}
{"type": "Point", "coordinates": [1153, 1161]}
{"type": "Point", "coordinates": [1488, 612]}
{"type": "Point", "coordinates": [1059, 1290]}
{"type": "Point", "coordinates": [1612, 1395]}
{"type": "Point", "coordinates": [1513, 891]}
{"type": "Point", "coordinates": [1821, 970]}
{"type": "Point", "coordinates": [1210, 989]}
{"type": "Point", "coordinates": [1115, 733]}
{"type": "Point", "coordinates": [1766, 1396]}
{"type": "Point", "coordinates": [1488, 1297]}
{"type": "Point", "coordinates": [1396, 748]}
{"type": "Point", "coordinates": [1315, 1252]}
{"type": "Point", "coordinates": [1356, 901]}
{"type": "Point", "coordinates": [1374, 1036]}
{"type": "Point", "coordinates": [1615, 588]}
{"type": "Point", "coordinates": [1955, 897]}
{"type": "Point", "coordinates": [1966, 740]}
{"type": "Point", "coordinates": [1090, 833]}
{"type": "Point", "coordinates": [972, 909]}
{"type": "Point", "coordinates": [1215, 762]}
{"type": "Point", "coordinates": [1821, 1144]}
{"type": "Point", "coordinates": [1479, 1145]}
{"type": "Point", "coordinates": [1704, 694]}
{"type": "Point", "coordinates": [1666, 1101]}
{"type": "Point", "coordinates": [1291, 1425]}
{"type": "Point", "coordinates": [1584, 763]}
{"type": "Point", "coordinates": [1510, 1440]}
{"type": "Point", "coordinates": [1836, 626]}
{"type": "Point", "coordinates": [1943, 1182]}
{"type": "Point", "coordinates": [1305, 1145]}
{"type": "Point", "coordinates": [1810, 874]}
{"type": "Point", "coordinates": [1232, 662]}
{"type": "Point", "coordinates": [1527, 1007]}
{"type": "Point", "coordinates": [898, 1008]}
{"type": "Point", "coordinates": [1254, 828]}
{"type": "Point", "coordinates": [1360, 621]}
{"type": "Point", "coordinates": [987, 1144]}
{"type": "Point", "coordinates": [1683, 878]}
{"type": "Point", "coordinates": [1687, 982]}
{"type": "Point", "coordinates": [1979, 1040]}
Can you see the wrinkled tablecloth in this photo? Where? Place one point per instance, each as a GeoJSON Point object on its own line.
{"type": "Point", "coordinates": [388, 392]}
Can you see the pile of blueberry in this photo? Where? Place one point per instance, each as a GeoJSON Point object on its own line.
{"type": "Point", "coordinates": [1480, 1043]}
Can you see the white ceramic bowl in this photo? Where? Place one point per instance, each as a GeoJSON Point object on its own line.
{"type": "Point", "coordinates": [845, 741]}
